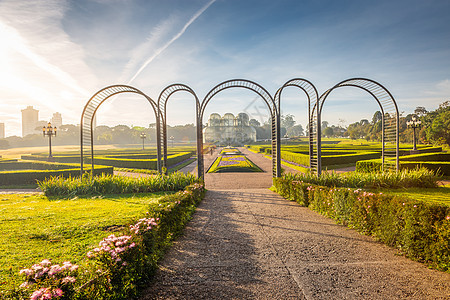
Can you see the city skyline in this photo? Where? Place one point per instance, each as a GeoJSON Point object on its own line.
{"type": "Point", "coordinates": [57, 54]}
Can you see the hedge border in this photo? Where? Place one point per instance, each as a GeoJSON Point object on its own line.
{"type": "Point", "coordinates": [419, 229]}
{"type": "Point", "coordinates": [172, 214]}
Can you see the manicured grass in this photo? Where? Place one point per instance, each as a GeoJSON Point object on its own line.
{"type": "Point", "coordinates": [34, 227]}
{"type": "Point", "coordinates": [439, 195]}
{"type": "Point", "coordinates": [233, 163]}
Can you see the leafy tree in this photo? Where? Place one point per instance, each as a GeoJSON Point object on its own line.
{"type": "Point", "coordinates": [287, 121]}
{"type": "Point", "coordinates": [254, 123]}
{"type": "Point", "coordinates": [437, 124]}
{"type": "Point", "coordinates": [328, 132]}
{"type": "Point", "coordinates": [296, 130]}
{"type": "Point", "coordinates": [377, 116]}
{"type": "Point", "coordinates": [420, 111]}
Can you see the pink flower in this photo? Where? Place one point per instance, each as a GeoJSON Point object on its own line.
{"type": "Point", "coordinates": [58, 292]}
{"type": "Point", "coordinates": [45, 262]}
{"type": "Point", "coordinates": [27, 272]}
{"type": "Point", "coordinates": [90, 254]}
{"type": "Point", "coordinates": [74, 268]}
{"type": "Point", "coordinates": [415, 205]}
{"type": "Point", "coordinates": [447, 218]}
{"type": "Point", "coordinates": [36, 294]}
{"type": "Point", "coordinates": [26, 284]}
{"type": "Point", "coordinates": [68, 279]}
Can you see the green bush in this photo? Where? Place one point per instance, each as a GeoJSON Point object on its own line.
{"type": "Point", "coordinates": [29, 172]}
{"type": "Point", "coordinates": [143, 244]}
{"type": "Point", "coordinates": [443, 156]}
{"type": "Point", "coordinates": [139, 163]}
{"type": "Point", "coordinates": [420, 230]}
{"type": "Point", "coordinates": [374, 165]}
{"type": "Point", "coordinates": [110, 184]}
{"type": "Point", "coordinates": [403, 179]}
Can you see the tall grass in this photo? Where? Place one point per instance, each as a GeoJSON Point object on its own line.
{"type": "Point", "coordinates": [403, 179]}
{"type": "Point", "coordinates": [110, 184]}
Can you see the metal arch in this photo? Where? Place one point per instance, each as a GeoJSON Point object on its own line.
{"type": "Point", "coordinates": [275, 116]}
{"type": "Point", "coordinates": [87, 117]}
{"type": "Point", "coordinates": [312, 95]}
{"type": "Point", "coordinates": [390, 114]}
{"type": "Point", "coordinates": [161, 129]}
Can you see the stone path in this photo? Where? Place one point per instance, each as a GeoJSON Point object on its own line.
{"type": "Point", "coordinates": [246, 242]}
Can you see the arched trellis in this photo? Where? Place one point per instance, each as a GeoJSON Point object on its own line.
{"type": "Point", "coordinates": [161, 129]}
{"type": "Point", "coordinates": [389, 121]}
{"type": "Point", "coordinates": [87, 117]}
{"type": "Point", "coordinates": [274, 112]}
{"type": "Point", "coordinates": [312, 95]}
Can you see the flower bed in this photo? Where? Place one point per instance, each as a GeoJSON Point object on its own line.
{"type": "Point", "coordinates": [121, 264]}
{"type": "Point", "coordinates": [420, 230]}
{"type": "Point", "coordinates": [233, 163]}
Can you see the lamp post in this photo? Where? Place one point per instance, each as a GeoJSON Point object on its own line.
{"type": "Point", "coordinates": [49, 131]}
{"type": "Point", "coordinates": [414, 123]}
{"type": "Point", "coordinates": [143, 137]}
{"type": "Point", "coordinates": [172, 138]}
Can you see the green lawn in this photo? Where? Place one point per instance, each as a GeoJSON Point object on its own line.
{"type": "Point", "coordinates": [436, 195]}
{"type": "Point", "coordinates": [34, 227]}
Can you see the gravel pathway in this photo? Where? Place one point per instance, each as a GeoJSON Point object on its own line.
{"type": "Point", "coordinates": [246, 242]}
{"type": "Point", "coordinates": [253, 244]}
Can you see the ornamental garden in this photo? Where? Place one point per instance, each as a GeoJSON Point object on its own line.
{"type": "Point", "coordinates": [101, 237]}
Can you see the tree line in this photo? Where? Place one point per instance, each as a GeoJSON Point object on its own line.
{"type": "Point", "coordinates": [435, 129]}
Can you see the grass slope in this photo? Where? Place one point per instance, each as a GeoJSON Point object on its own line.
{"type": "Point", "coordinates": [34, 227]}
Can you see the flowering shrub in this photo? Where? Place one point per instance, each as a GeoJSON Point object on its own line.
{"type": "Point", "coordinates": [120, 264]}
{"type": "Point", "coordinates": [420, 230]}
{"type": "Point", "coordinates": [233, 163]}
{"type": "Point", "coordinates": [50, 281]}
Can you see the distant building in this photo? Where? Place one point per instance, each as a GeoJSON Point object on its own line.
{"type": "Point", "coordinates": [30, 118]}
{"type": "Point", "coordinates": [229, 129]}
{"type": "Point", "coordinates": [2, 130]}
{"type": "Point", "coordinates": [56, 120]}
{"type": "Point", "coordinates": [39, 126]}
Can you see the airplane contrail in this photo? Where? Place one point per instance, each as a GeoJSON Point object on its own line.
{"type": "Point", "coordinates": [177, 36]}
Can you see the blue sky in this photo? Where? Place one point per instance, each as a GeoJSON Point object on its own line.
{"type": "Point", "coordinates": [56, 54]}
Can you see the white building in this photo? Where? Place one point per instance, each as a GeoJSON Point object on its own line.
{"type": "Point", "coordinates": [56, 120]}
{"type": "Point", "coordinates": [30, 118]}
{"type": "Point", "coordinates": [2, 130]}
{"type": "Point", "coordinates": [229, 129]}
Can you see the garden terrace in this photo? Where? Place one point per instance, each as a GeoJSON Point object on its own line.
{"type": "Point", "coordinates": [336, 155]}
{"type": "Point", "coordinates": [418, 227]}
{"type": "Point", "coordinates": [16, 173]}
{"type": "Point", "coordinates": [437, 162]}
{"type": "Point", "coordinates": [62, 230]}
{"type": "Point", "coordinates": [119, 158]}
{"type": "Point", "coordinates": [232, 160]}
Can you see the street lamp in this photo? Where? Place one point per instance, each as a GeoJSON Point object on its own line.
{"type": "Point", "coordinates": [143, 137]}
{"type": "Point", "coordinates": [49, 131]}
{"type": "Point", "coordinates": [414, 123]}
{"type": "Point", "coordinates": [172, 138]}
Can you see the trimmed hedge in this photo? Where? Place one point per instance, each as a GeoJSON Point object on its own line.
{"type": "Point", "coordinates": [443, 156]}
{"type": "Point", "coordinates": [420, 230]}
{"type": "Point", "coordinates": [141, 163]}
{"type": "Point", "coordinates": [328, 160]}
{"type": "Point", "coordinates": [106, 277]}
{"type": "Point", "coordinates": [374, 165]}
{"type": "Point", "coordinates": [31, 176]}
{"type": "Point", "coordinates": [119, 161]}
{"type": "Point", "coordinates": [33, 165]}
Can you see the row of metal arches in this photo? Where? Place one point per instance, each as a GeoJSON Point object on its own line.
{"type": "Point", "coordinates": [386, 102]}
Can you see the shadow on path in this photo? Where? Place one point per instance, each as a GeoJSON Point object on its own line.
{"type": "Point", "coordinates": [242, 244]}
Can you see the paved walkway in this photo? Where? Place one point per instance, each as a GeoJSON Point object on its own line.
{"type": "Point", "coordinates": [246, 242]}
